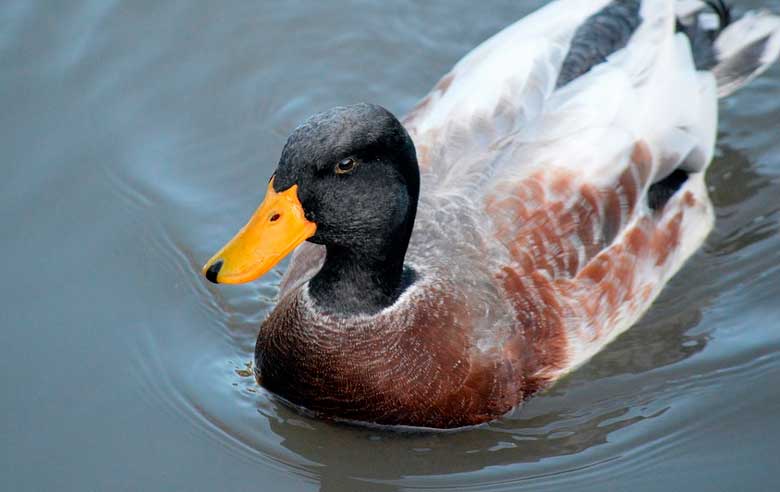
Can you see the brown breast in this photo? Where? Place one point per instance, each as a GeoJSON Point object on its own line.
{"type": "Point", "coordinates": [415, 365]}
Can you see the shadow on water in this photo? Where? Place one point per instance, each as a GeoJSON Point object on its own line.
{"type": "Point", "coordinates": [381, 457]}
{"type": "Point", "coordinates": [743, 210]}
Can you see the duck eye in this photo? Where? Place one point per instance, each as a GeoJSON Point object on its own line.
{"type": "Point", "coordinates": [345, 166]}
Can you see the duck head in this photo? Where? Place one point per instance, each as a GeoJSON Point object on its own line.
{"type": "Point", "coordinates": [348, 179]}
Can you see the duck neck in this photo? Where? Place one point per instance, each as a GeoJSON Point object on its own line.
{"type": "Point", "coordinates": [363, 278]}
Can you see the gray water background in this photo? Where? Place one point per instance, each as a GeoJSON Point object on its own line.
{"type": "Point", "coordinates": [138, 136]}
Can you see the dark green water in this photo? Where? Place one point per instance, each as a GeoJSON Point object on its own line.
{"type": "Point", "coordinates": [137, 136]}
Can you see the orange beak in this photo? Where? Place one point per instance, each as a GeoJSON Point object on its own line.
{"type": "Point", "coordinates": [275, 229]}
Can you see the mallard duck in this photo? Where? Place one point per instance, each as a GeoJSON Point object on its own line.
{"type": "Point", "coordinates": [526, 212]}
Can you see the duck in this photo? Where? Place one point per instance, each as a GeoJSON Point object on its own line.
{"type": "Point", "coordinates": [450, 264]}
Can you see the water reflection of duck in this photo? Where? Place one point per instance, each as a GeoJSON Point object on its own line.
{"type": "Point", "coordinates": [562, 173]}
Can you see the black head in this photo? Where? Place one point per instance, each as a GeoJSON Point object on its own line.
{"type": "Point", "coordinates": [357, 179]}
{"type": "Point", "coordinates": [348, 179]}
{"type": "Point", "coordinates": [357, 175]}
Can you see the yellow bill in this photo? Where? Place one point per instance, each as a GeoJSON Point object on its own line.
{"type": "Point", "coordinates": [275, 229]}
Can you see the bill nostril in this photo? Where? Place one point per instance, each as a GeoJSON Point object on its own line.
{"type": "Point", "coordinates": [213, 271]}
{"type": "Point", "coordinates": [275, 217]}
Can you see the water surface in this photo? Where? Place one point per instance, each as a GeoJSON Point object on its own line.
{"type": "Point", "coordinates": [138, 136]}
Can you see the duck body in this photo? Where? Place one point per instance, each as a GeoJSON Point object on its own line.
{"type": "Point", "coordinates": [560, 172]}
{"type": "Point", "coordinates": [490, 319]}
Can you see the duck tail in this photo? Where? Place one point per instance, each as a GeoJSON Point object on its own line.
{"type": "Point", "coordinates": [735, 50]}
{"type": "Point", "coordinates": [745, 49]}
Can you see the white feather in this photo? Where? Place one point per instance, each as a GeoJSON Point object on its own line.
{"type": "Point", "coordinates": [501, 118]}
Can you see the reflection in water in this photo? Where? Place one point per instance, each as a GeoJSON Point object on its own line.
{"type": "Point", "coordinates": [378, 457]}
{"type": "Point", "coordinates": [745, 214]}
